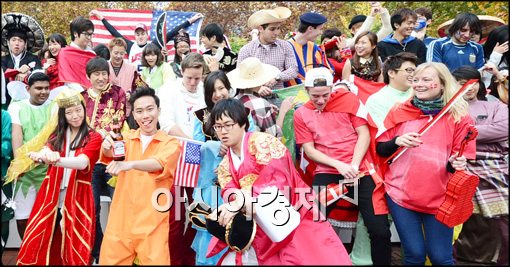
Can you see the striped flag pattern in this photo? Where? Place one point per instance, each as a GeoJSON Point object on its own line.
{"type": "Point", "coordinates": [188, 165]}
{"type": "Point", "coordinates": [123, 20]}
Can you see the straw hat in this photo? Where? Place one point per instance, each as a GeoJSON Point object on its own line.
{"type": "Point", "coordinates": [252, 73]}
{"type": "Point", "coordinates": [266, 16]}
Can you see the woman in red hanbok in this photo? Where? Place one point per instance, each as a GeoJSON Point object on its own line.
{"type": "Point", "coordinates": [61, 225]}
{"type": "Point", "coordinates": [253, 162]}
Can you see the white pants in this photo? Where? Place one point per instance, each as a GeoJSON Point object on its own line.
{"type": "Point", "coordinates": [24, 204]}
{"type": "Point", "coordinates": [249, 257]}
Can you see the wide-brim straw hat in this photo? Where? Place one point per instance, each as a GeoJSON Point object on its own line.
{"type": "Point", "coordinates": [266, 16]}
{"type": "Point", "coordinates": [251, 73]}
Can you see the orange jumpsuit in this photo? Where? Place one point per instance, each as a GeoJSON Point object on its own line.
{"type": "Point", "coordinates": [135, 228]}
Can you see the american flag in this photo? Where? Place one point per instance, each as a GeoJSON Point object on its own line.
{"type": "Point", "coordinates": [188, 165]}
{"type": "Point", "coordinates": [124, 21]}
{"type": "Point", "coordinates": [174, 19]}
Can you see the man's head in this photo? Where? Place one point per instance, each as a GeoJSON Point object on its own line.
{"type": "Point", "coordinates": [318, 84]}
{"type": "Point", "coordinates": [17, 40]}
{"type": "Point", "coordinates": [211, 35]}
{"type": "Point", "coordinates": [141, 36]}
{"type": "Point", "coordinates": [425, 14]}
{"type": "Point", "coordinates": [403, 21]}
{"type": "Point", "coordinates": [82, 30]}
{"type": "Point", "coordinates": [146, 109]}
{"type": "Point", "coordinates": [192, 66]}
{"type": "Point", "coordinates": [464, 26]}
{"type": "Point", "coordinates": [98, 72]}
{"type": "Point", "coordinates": [230, 121]}
{"type": "Point", "coordinates": [311, 25]}
{"type": "Point", "coordinates": [328, 34]}
{"type": "Point", "coordinates": [466, 73]}
{"type": "Point", "coordinates": [356, 23]}
{"type": "Point", "coordinates": [268, 23]}
{"type": "Point", "coordinates": [398, 70]}
{"type": "Point", "coordinates": [118, 48]}
{"type": "Point", "coordinates": [38, 87]}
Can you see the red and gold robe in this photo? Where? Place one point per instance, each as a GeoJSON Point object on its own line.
{"type": "Point", "coordinates": [42, 245]}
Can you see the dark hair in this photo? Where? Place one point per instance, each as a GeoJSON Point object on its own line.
{"type": "Point", "coordinates": [209, 82]}
{"type": "Point", "coordinates": [193, 61]}
{"type": "Point", "coordinates": [375, 54]}
{"type": "Point", "coordinates": [394, 62]}
{"type": "Point", "coordinates": [152, 49]}
{"type": "Point", "coordinates": [102, 51]}
{"type": "Point", "coordinates": [232, 108]}
{"type": "Point", "coordinates": [97, 64]}
{"type": "Point", "coordinates": [143, 91]}
{"type": "Point", "coordinates": [467, 72]}
{"type": "Point", "coordinates": [401, 15]}
{"type": "Point", "coordinates": [43, 51]}
{"type": "Point", "coordinates": [498, 35]}
{"type": "Point", "coordinates": [423, 11]}
{"type": "Point", "coordinates": [213, 29]}
{"type": "Point", "coordinates": [37, 77]}
{"type": "Point", "coordinates": [302, 27]}
{"type": "Point", "coordinates": [58, 136]}
{"type": "Point", "coordinates": [330, 33]}
{"type": "Point", "coordinates": [58, 38]}
{"type": "Point", "coordinates": [461, 20]}
{"type": "Point", "coordinates": [79, 25]}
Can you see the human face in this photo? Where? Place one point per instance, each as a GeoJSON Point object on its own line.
{"type": "Point", "coordinates": [402, 78]}
{"type": "Point", "coordinates": [74, 116]}
{"type": "Point", "coordinates": [426, 84]}
{"type": "Point", "coordinates": [229, 132]}
{"type": "Point", "coordinates": [17, 45]}
{"type": "Point", "coordinates": [406, 28]}
{"type": "Point", "coordinates": [141, 37]}
{"type": "Point", "coordinates": [117, 55]}
{"type": "Point", "coordinates": [54, 48]}
{"type": "Point", "coordinates": [270, 34]}
{"type": "Point", "coordinates": [315, 32]}
{"type": "Point", "coordinates": [319, 96]}
{"type": "Point", "coordinates": [151, 59]}
{"type": "Point", "coordinates": [191, 77]}
{"type": "Point", "coordinates": [220, 91]}
{"type": "Point", "coordinates": [39, 92]}
{"type": "Point", "coordinates": [146, 113]}
{"type": "Point", "coordinates": [471, 93]}
{"type": "Point", "coordinates": [464, 34]}
{"type": "Point", "coordinates": [83, 39]}
{"type": "Point", "coordinates": [355, 28]}
{"type": "Point", "coordinates": [182, 48]}
{"type": "Point", "coordinates": [364, 47]}
{"type": "Point", "coordinates": [208, 43]}
{"type": "Point", "coordinates": [99, 79]}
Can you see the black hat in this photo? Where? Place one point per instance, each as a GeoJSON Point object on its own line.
{"type": "Point", "coordinates": [356, 19]}
{"type": "Point", "coordinates": [312, 18]}
{"type": "Point", "coordinates": [182, 36]}
{"type": "Point", "coordinates": [238, 234]}
{"type": "Point", "coordinates": [23, 26]}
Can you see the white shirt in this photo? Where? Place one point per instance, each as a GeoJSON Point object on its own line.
{"type": "Point", "coordinates": [146, 140]}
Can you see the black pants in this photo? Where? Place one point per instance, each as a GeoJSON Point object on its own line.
{"type": "Point", "coordinates": [378, 225]}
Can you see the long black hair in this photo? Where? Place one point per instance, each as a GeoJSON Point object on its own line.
{"type": "Point", "coordinates": [209, 82]}
{"type": "Point", "coordinates": [470, 72]}
{"type": "Point", "coordinates": [59, 135]}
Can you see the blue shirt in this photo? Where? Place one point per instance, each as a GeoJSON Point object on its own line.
{"type": "Point", "coordinates": [454, 55]}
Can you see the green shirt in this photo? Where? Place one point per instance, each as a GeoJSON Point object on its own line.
{"type": "Point", "coordinates": [380, 103]}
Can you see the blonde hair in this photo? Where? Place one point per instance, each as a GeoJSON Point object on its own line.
{"type": "Point", "coordinates": [460, 108]}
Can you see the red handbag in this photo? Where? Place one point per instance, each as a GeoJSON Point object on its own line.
{"type": "Point", "coordinates": [458, 204]}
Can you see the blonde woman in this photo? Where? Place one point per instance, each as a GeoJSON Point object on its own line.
{"type": "Point", "coordinates": [416, 182]}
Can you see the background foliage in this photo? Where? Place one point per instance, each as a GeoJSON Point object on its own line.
{"type": "Point", "coordinates": [56, 16]}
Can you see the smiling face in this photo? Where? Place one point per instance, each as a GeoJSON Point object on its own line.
{"type": "Point", "coordinates": [406, 27]}
{"type": "Point", "coordinates": [427, 85]}
{"type": "Point", "coordinates": [146, 113]}
{"type": "Point", "coordinates": [319, 96]}
{"type": "Point", "coordinates": [141, 37]}
{"type": "Point", "coordinates": [99, 79]}
{"type": "Point", "coordinates": [182, 48]}
{"type": "Point", "coordinates": [471, 93]}
{"type": "Point", "coordinates": [402, 78]}
{"type": "Point", "coordinates": [75, 116]}
{"type": "Point", "coordinates": [364, 47]}
{"type": "Point", "coordinates": [39, 92]}
{"type": "Point", "coordinates": [117, 55]}
{"type": "Point", "coordinates": [83, 39]}
{"type": "Point", "coordinates": [54, 48]}
{"type": "Point", "coordinates": [220, 91]}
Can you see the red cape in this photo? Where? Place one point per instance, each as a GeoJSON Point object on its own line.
{"type": "Point", "coordinates": [72, 63]}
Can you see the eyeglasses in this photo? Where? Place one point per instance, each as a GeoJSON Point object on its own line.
{"type": "Point", "coordinates": [88, 34]}
{"type": "Point", "coordinates": [227, 127]}
{"type": "Point", "coordinates": [408, 70]}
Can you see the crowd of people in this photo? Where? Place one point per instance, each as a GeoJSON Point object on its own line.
{"type": "Point", "coordinates": [59, 141]}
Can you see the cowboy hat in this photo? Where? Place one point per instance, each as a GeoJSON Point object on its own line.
{"type": "Point", "coordinates": [252, 73]}
{"type": "Point", "coordinates": [17, 23]}
{"type": "Point", "coordinates": [266, 16]}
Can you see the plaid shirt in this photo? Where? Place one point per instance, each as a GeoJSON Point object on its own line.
{"type": "Point", "coordinates": [279, 54]}
{"type": "Point", "coordinates": [262, 112]}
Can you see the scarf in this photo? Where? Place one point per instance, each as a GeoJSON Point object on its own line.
{"type": "Point", "coordinates": [429, 107]}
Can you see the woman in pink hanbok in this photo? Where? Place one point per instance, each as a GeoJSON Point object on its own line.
{"type": "Point", "coordinates": [255, 161]}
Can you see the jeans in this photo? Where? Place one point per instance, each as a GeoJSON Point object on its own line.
{"type": "Point", "coordinates": [99, 185]}
{"type": "Point", "coordinates": [413, 227]}
{"type": "Point", "coordinates": [377, 225]}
